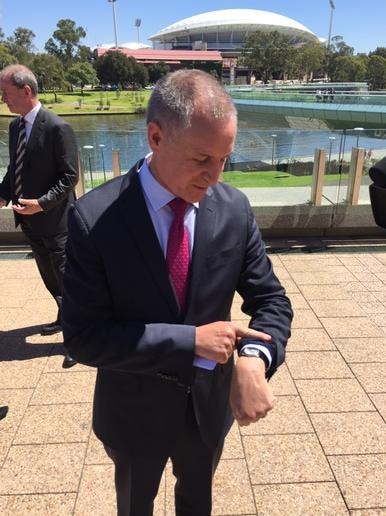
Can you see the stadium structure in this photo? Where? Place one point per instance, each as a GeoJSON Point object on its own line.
{"type": "Point", "coordinates": [227, 30]}
{"type": "Point", "coordinates": [215, 36]}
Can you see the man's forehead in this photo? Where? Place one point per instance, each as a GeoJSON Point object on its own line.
{"type": "Point", "coordinates": [5, 82]}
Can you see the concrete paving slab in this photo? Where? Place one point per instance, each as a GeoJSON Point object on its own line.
{"type": "Point", "coordinates": [321, 451]}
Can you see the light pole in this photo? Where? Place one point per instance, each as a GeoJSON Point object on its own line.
{"type": "Point", "coordinates": [101, 145]}
{"type": "Point", "coordinates": [89, 147]}
{"type": "Point", "coordinates": [358, 129]}
{"type": "Point", "coordinates": [137, 24]}
{"type": "Point", "coordinates": [274, 136]}
{"type": "Point", "coordinates": [112, 2]}
{"type": "Point", "coordinates": [332, 8]}
{"type": "Point", "coordinates": [332, 139]}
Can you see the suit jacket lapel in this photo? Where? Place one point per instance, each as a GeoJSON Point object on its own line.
{"type": "Point", "coordinates": [203, 236]}
{"type": "Point", "coordinates": [37, 128]}
{"type": "Point", "coordinates": [13, 136]}
{"type": "Point", "coordinates": [135, 215]}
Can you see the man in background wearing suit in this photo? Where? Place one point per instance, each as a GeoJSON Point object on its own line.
{"type": "Point", "coordinates": [154, 258]}
{"type": "Point", "coordinates": [40, 180]}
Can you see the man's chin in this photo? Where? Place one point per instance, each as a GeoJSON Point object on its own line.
{"type": "Point", "coordinates": [197, 197]}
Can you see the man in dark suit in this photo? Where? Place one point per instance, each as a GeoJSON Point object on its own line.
{"type": "Point", "coordinates": [40, 180]}
{"type": "Point", "coordinates": [162, 339]}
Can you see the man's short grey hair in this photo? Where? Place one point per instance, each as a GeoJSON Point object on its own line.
{"type": "Point", "coordinates": [180, 95]}
{"type": "Point", "coordinates": [20, 76]}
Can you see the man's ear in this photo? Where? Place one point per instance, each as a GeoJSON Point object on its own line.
{"type": "Point", "coordinates": [27, 90]}
{"type": "Point", "coordinates": [155, 135]}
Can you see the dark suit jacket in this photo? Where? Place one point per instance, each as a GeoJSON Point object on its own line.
{"type": "Point", "coordinates": [49, 174]}
{"type": "Point", "coordinates": [121, 316]}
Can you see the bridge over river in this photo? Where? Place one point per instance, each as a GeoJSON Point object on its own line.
{"type": "Point", "coordinates": [345, 110]}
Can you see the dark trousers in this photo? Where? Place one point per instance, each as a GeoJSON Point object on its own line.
{"type": "Point", "coordinates": [137, 479]}
{"type": "Point", "coordinates": [49, 253]}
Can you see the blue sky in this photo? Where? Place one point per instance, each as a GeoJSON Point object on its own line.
{"type": "Point", "coordinates": [362, 24]}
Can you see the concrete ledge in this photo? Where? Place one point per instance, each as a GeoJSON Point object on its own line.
{"type": "Point", "coordinates": [274, 221]}
{"type": "Point", "coordinates": [306, 220]}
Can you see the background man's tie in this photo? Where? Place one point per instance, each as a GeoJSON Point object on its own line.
{"type": "Point", "coordinates": [177, 254]}
{"type": "Point", "coordinates": [20, 151]}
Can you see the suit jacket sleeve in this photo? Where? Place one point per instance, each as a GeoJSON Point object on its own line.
{"type": "Point", "coordinates": [65, 158]}
{"type": "Point", "coordinates": [93, 334]}
{"type": "Point", "coordinates": [5, 185]}
{"type": "Point", "coordinates": [263, 295]}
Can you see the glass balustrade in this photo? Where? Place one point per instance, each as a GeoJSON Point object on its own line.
{"type": "Point", "coordinates": [273, 167]}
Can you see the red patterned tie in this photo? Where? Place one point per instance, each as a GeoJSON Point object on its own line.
{"type": "Point", "coordinates": [177, 254]}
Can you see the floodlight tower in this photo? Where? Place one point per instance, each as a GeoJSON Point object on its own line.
{"type": "Point", "coordinates": [112, 2]}
{"type": "Point", "coordinates": [137, 24]}
{"type": "Point", "coordinates": [332, 8]}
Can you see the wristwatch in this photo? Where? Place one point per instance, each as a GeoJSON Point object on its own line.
{"type": "Point", "coordinates": [254, 352]}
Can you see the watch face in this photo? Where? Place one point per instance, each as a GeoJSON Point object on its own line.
{"type": "Point", "coordinates": [252, 353]}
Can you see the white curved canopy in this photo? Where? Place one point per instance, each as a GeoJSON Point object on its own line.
{"type": "Point", "coordinates": [234, 19]}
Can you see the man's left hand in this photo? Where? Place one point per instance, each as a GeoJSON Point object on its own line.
{"type": "Point", "coordinates": [251, 397]}
{"type": "Point", "coordinates": [27, 206]}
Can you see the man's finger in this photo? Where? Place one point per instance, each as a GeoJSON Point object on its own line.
{"type": "Point", "coordinates": [252, 334]}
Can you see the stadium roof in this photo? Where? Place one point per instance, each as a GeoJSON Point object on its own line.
{"type": "Point", "coordinates": [148, 55]}
{"type": "Point", "coordinates": [132, 45]}
{"type": "Point", "coordinates": [235, 19]}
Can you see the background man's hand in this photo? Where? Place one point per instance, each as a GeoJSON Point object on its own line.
{"type": "Point", "coordinates": [3, 202]}
{"type": "Point", "coordinates": [27, 206]}
{"type": "Point", "coordinates": [251, 397]}
{"type": "Point", "coordinates": [217, 341]}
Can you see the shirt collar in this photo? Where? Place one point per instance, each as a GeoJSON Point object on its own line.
{"type": "Point", "coordinates": [157, 195]}
{"type": "Point", "coordinates": [31, 115]}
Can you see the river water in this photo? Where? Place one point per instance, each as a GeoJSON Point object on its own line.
{"type": "Point", "coordinates": [269, 139]}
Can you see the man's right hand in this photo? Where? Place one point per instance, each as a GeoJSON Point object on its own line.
{"type": "Point", "coordinates": [217, 341]}
{"type": "Point", "coordinates": [3, 202]}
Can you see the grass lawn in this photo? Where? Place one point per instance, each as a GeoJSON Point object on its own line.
{"type": "Point", "coordinates": [92, 102]}
{"type": "Point", "coordinates": [252, 179]}
{"type": "Point", "coordinates": [273, 179]}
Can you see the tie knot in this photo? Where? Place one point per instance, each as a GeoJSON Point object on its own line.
{"type": "Point", "coordinates": [178, 206]}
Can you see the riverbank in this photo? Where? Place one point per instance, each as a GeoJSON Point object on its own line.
{"type": "Point", "coordinates": [92, 102]}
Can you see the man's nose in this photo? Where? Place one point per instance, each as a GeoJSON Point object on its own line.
{"type": "Point", "coordinates": [214, 171]}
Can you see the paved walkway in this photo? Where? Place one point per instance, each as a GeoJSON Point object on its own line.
{"type": "Point", "coordinates": [322, 451]}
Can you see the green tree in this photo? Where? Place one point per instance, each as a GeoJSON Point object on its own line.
{"type": "Point", "coordinates": [138, 76]}
{"type": "Point", "coordinates": [376, 72]}
{"type": "Point", "coordinates": [6, 58]}
{"type": "Point", "coordinates": [81, 74]}
{"type": "Point", "coordinates": [348, 69]}
{"type": "Point", "coordinates": [379, 51]}
{"type": "Point", "coordinates": [267, 54]}
{"type": "Point", "coordinates": [339, 47]}
{"type": "Point", "coordinates": [157, 70]}
{"type": "Point", "coordinates": [114, 68]}
{"type": "Point", "coordinates": [309, 60]}
{"type": "Point", "coordinates": [84, 54]}
{"type": "Point", "coordinates": [21, 44]}
{"type": "Point", "coordinates": [49, 72]}
{"type": "Point", "coordinates": [65, 41]}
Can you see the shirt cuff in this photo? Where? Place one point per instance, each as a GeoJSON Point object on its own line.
{"type": "Point", "coordinates": [267, 349]}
